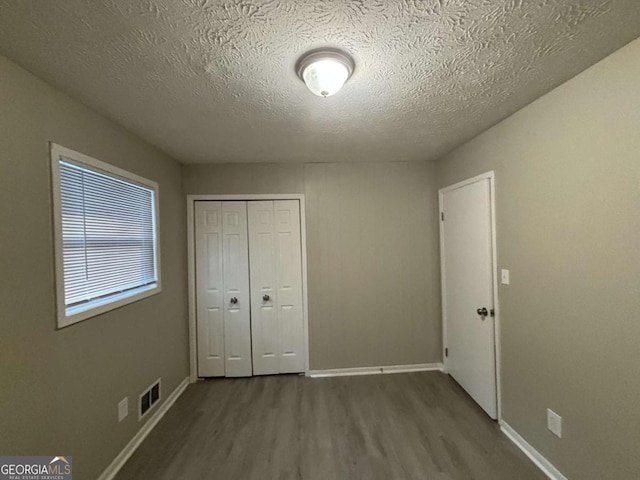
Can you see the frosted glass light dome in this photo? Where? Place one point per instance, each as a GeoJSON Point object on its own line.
{"type": "Point", "coordinates": [325, 77]}
{"type": "Point", "coordinates": [325, 72]}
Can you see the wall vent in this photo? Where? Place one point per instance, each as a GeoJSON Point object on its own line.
{"type": "Point", "coordinates": [149, 398]}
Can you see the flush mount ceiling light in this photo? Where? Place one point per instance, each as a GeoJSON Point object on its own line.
{"type": "Point", "coordinates": [325, 71]}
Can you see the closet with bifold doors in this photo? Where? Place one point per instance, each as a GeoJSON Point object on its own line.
{"type": "Point", "coordinates": [249, 307]}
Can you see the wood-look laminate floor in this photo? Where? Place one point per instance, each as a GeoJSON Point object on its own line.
{"type": "Point", "coordinates": [401, 426]}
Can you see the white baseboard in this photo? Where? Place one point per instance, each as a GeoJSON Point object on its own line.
{"type": "Point", "coordinates": [135, 442]}
{"type": "Point", "coordinates": [536, 457]}
{"type": "Point", "coordinates": [344, 372]}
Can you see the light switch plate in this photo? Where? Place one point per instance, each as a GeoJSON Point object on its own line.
{"type": "Point", "coordinates": [554, 423]}
{"type": "Point", "coordinates": [123, 409]}
{"type": "Point", "coordinates": [504, 276]}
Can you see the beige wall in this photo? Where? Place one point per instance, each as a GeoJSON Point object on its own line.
{"type": "Point", "coordinates": [373, 267]}
{"type": "Point", "coordinates": [568, 219]}
{"type": "Point", "coordinates": [60, 388]}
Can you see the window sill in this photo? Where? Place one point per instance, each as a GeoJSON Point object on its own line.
{"type": "Point", "coordinates": [79, 313]}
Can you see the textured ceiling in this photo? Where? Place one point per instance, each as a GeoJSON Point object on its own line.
{"type": "Point", "coordinates": [214, 81]}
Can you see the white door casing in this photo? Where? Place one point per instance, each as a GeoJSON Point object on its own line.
{"type": "Point", "coordinates": [194, 274]}
{"type": "Point", "coordinates": [468, 285]}
{"type": "Point", "coordinates": [276, 279]}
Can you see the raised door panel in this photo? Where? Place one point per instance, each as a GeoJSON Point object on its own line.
{"type": "Point", "coordinates": [237, 311]}
{"type": "Point", "coordinates": [262, 261]}
{"type": "Point", "coordinates": [288, 256]}
{"type": "Point", "coordinates": [209, 289]}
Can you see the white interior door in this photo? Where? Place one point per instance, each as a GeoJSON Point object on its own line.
{"type": "Point", "coordinates": [276, 279]}
{"type": "Point", "coordinates": [467, 249]}
{"type": "Point", "coordinates": [209, 289]}
{"type": "Point", "coordinates": [223, 314]}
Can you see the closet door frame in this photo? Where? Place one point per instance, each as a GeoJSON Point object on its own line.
{"type": "Point", "coordinates": [191, 268]}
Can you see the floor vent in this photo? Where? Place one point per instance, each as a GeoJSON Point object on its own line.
{"type": "Point", "coordinates": [149, 398]}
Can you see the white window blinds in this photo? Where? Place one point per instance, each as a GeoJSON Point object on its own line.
{"type": "Point", "coordinates": [108, 237]}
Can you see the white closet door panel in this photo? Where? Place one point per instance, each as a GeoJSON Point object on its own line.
{"type": "Point", "coordinates": [209, 289]}
{"type": "Point", "coordinates": [289, 285]}
{"type": "Point", "coordinates": [237, 312]}
{"type": "Point", "coordinates": [264, 318]}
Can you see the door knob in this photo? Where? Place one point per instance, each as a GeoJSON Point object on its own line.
{"type": "Point", "coordinates": [482, 312]}
{"type": "Point", "coordinates": [234, 300]}
{"type": "Point", "coordinates": [265, 298]}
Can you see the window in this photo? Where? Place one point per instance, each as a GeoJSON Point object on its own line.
{"type": "Point", "coordinates": [106, 236]}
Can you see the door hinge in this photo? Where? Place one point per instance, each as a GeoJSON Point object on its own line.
{"type": "Point", "coordinates": [442, 216]}
{"type": "Point", "coordinates": [446, 352]}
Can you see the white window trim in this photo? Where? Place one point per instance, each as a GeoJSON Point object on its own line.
{"type": "Point", "coordinates": [64, 320]}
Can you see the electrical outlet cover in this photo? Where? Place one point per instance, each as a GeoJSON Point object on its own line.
{"type": "Point", "coordinates": [123, 409]}
{"type": "Point", "coordinates": [554, 423]}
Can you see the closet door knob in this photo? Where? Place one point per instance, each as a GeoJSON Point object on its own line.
{"type": "Point", "coordinates": [265, 298]}
{"type": "Point", "coordinates": [234, 300]}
